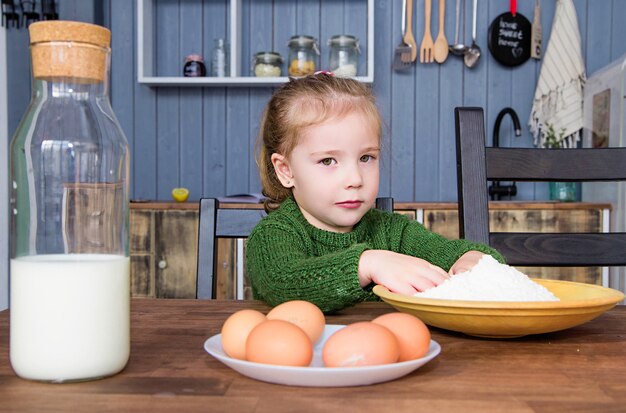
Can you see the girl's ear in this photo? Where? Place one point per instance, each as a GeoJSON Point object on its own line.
{"type": "Point", "coordinates": [283, 170]}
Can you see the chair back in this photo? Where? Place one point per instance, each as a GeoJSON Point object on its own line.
{"type": "Point", "coordinates": [216, 222]}
{"type": "Point", "coordinates": [478, 164]}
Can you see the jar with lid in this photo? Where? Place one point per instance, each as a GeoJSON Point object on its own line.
{"type": "Point", "coordinates": [344, 55]}
{"type": "Point", "coordinates": [69, 257]}
{"type": "Point", "coordinates": [267, 64]}
{"type": "Point", "coordinates": [303, 55]}
{"type": "Point", "coordinates": [194, 66]}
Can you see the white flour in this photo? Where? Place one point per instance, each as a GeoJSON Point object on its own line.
{"type": "Point", "coordinates": [490, 281]}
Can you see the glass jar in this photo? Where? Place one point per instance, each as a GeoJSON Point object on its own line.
{"type": "Point", "coordinates": [219, 58]}
{"type": "Point", "coordinates": [562, 191]}
{"type": "Point", "coordinates": [267, 64]}
{"type": "Point", "coordinates": [344, 55]}
{"type": "Point", "coordinates": [303, 55]}
{"type": "Point", "coordinates": [194, 66]}
{"type": "Point", "coordinates": [69, 258]}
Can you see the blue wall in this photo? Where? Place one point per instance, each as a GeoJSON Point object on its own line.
{"type": "Point", "coordinates": [203, 138]}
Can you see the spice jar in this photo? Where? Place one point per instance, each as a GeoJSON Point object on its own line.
{"type": "Point", "coordinates": [194, 66]}
{"type": "Point", "coordinates": [303, 55]}
{"type": "Point", "coordinates": [344, 55]}
{"type": "Point", "coordinates": [267, 64]}
{"type": "Point", "coordinates": [69, 256]}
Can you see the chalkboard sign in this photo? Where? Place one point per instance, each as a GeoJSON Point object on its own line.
{"type": "Point", "coordinates": [509, 39]}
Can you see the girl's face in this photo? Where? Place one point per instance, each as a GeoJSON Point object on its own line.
{"type": "Point", "coordinates": [334, 172]}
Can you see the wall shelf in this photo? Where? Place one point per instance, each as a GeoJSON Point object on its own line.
{"type": "Point", "coordinates": [148, 74]}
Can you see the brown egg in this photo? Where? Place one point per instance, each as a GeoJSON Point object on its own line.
{"type": "Point", "coordinates": [235, 331]}
{"type": "Point", "coordinates": [412, 334]}
{"type": "Point", "coordinates": [360, 344]}
{"type": "Point", "coordinates": [304, 314]}
{"type": "Point", "coordinates": [279, 342]}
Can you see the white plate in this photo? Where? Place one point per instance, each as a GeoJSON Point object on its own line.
{"type": "Point", "coordinates": [316, 375]}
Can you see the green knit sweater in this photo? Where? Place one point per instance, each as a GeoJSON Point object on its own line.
{"type": "Point", "coordinates": [289, 259]}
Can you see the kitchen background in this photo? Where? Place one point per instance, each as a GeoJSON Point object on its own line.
{"type": "Point", "coordinates": [203, 138]}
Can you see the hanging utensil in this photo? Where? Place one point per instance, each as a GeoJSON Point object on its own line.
{"type": "Point", "coordinates": [408, 34]}
{"type": "Point", "coordinates": [535, 38]}
{"type": "Point", "coordinates": [441, 44]}
{"type": "Point", "coordinates": [402, 56]}
{"type": "Point", "coordinates": [458, 49]}
{"type": "Point", "coordinates": [473, 52]}
{"type": "Point", "coordinates": [509, 37]}
{"type": "Point", "coordinates": [426, 48]}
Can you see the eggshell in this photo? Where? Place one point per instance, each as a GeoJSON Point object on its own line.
{"type": "Point", "coordinates": [279, 342]}
{"type": "Point", "coordinates": [304, 314]}
{"type": "Point", "coordinates": [236, 329]}
{"type": "Point", "coordinates": [360, 344]}
{"type": "Point", "coordinates": [412, 334]}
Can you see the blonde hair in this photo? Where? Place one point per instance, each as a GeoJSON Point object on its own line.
{"type": "Point", "coordinates": [299, 104]}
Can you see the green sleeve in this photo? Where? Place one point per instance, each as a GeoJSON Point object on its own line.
{"type": "Point", "coordinates": [281, 267]}
{"type": "Point", "coordinates": [414, 239]}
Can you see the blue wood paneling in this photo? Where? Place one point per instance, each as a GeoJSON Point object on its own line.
{"type": "Point", "coordinates": [123, 57]}
{"type": "Point", "coordinates": [203, 138]}
{"type": "Point", "coordinates": [384, 13]}
{"type": "Point", "coordinates": [191, 128]}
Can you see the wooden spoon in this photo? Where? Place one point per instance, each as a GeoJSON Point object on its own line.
{"type": "Point", "coordinates": [441, 44]}
{"type": "Point", "coordinates": [408, 34]}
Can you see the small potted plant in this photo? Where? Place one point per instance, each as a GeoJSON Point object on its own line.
{"type": "Point", "coordinates": [559, 191]}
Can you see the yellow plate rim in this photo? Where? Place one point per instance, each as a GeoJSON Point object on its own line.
{"type": "Point", "coordinates": [609, 296]}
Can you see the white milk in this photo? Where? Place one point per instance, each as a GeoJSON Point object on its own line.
{"type": "Point", "coordinates": [70, 316]}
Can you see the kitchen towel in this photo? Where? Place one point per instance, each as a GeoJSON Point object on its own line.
{"type": "Point", "coordinates": [558, 100]}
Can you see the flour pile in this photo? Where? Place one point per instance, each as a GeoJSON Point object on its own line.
{"type": "Point", "coordinates": [490, 281]}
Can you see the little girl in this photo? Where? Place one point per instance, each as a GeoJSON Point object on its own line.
{"type": "Point", "coordinates": [322, 240]}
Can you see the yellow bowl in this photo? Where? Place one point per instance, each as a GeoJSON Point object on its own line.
{"type": "Point", "coordinates": [578, 304]}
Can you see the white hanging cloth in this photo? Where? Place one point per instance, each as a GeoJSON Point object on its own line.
{"type": "Point", "coordinates": [558, 100]}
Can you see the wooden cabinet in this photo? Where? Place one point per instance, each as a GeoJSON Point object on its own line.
{"type": "Point", "coordinates": [164, 238]}
{"type": "Point", "coordinates": [534, 217]}
{"type": "Point", "coordinates": [163, 248]}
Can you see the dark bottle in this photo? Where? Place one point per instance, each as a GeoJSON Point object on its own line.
{"type": "Point", "coordinates": [194, 66]}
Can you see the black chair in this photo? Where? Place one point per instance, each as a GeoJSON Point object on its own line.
{"type": "Point", "coordinates": [478, 164]}
{"type": "Point", "coordinates": [9, 14]}
{"type": "Point", "coordinates": [216, 222]}
{"type": "Point", "coordinates": [29, 14]}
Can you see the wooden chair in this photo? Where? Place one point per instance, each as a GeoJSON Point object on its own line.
{"type": "Point", "coordinates": [478, 164]}
{"type": "Point", "coordinates": [216, 222]}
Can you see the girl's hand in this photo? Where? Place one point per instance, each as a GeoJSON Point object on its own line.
{"type": "Point", "coordinates": [466, 262]}
{"type": "Point", "coordinates": [401, 274]}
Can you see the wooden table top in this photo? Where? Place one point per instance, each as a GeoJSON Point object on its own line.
{"type": "Point", "coordinates": [581, 369]}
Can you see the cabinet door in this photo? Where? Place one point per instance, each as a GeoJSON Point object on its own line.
{"type": "Point", "coordinates": [176, 244]}
{"type": "Point", "coordinates": [226, 269]}
{"type": "Point", "coordinates": [141, 253]}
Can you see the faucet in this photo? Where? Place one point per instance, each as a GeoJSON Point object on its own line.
{"type": "Point", "coordinates": [497, 190]}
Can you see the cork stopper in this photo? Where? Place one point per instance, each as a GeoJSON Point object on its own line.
{"type": "Point", "coordinates": [69, 49]}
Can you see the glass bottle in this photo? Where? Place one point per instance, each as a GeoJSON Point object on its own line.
{"type": "Point", "coordinates": [344, 55]}
{"type": "Point", "coordinates": [303, 55]}
{"type": "Point", "coordinates": [70, 267]}
{"type": "Point", "coordinates": [219, 58]}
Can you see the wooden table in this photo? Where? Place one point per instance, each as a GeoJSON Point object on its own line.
{"type": "Point", "coordinates": [582, 369]}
